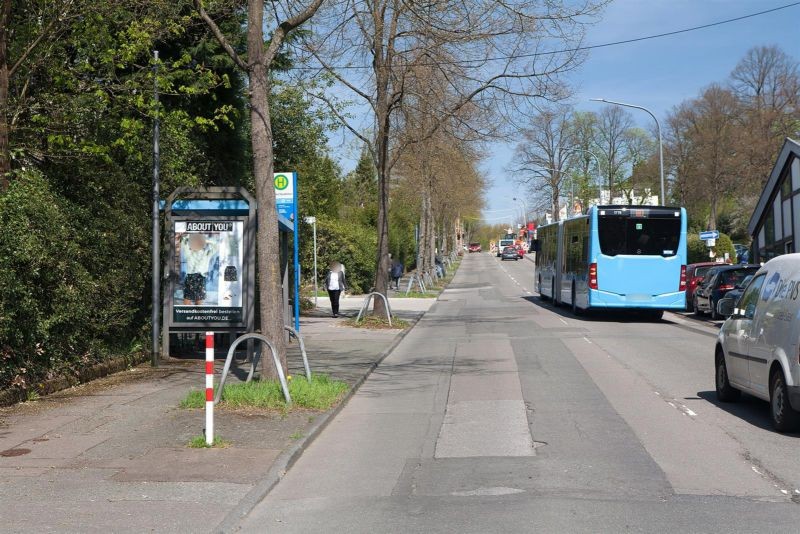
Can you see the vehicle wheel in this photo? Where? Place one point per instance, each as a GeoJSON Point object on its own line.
{"type": "Point", "coordinates": [725, 391]}
{"type": "Point", "coordinates": [696, 309]}
{"type": "Point", "coordinates": [654, 315]}
{"type": "Point", "coordinates": [575, 309]}
{"type": "Point", "coordinates": [784, 418]}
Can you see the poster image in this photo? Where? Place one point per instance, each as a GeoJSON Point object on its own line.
{"type": "Point", "coordinates": [209, 259]}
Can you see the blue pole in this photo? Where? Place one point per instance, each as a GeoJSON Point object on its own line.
{"type": "Point", "coordinates": [296, 258]}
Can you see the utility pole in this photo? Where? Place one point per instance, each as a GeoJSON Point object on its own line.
{"type": "Point", "coordinates": [156, 221]}
{"type": "Point", "coordinates": [313, 222]}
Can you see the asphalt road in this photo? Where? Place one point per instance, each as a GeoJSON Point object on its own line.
{"type": "Point", "coordinates": [500, 413]}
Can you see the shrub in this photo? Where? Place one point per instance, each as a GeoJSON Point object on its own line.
{"type": "Point", "coordinates": [46, 295]}
{"type": "Point", "coordinates": [697, 251]}
{"type": "Point", "coordinates": [348, 243]}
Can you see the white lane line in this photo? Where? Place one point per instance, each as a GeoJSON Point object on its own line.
{"type": "Point", "coordinates": [563, 321]}
{"type": "Point", "coordinates": [689, 412]}
{"type": "Point", "coordinates": [587, 340]}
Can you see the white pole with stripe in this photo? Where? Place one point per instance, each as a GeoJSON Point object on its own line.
{"type": "Point", "coordinates": [209, 388]}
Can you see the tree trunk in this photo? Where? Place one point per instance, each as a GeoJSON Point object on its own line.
{"type": "Point", "coordinates": [268, 237]}
{"type": "Point", "coordinates": [5, 157]}
{"type": "Point", "coordinates": [382, 164]}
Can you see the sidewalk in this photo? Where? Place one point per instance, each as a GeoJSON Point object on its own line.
{"type": "Point", "coordinates": [111, 455]}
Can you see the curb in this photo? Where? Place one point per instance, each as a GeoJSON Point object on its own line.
{"type": "Point", "coordinates": [12, 396]}
{"type": "Point", "coordinates": [287, 458]}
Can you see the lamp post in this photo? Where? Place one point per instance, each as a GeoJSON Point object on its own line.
{"type": "Point", "coordinates": [658, 129]}
{"type": "Point", "coordinates": [313, 221]}
{"type": "Point", "coordinates": [524, 211]}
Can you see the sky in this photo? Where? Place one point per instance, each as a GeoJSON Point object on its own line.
{"type": "Point", "coordinates": [659, 73]}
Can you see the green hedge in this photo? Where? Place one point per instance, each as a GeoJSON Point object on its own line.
{"type": "Point", "coordinates": [697, 250]}
{"type": "Point", "coordinates": [352, 245]}
{"type": "Point", "coordinates": [70, 283]}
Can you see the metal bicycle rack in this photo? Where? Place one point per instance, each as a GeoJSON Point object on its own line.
{"type": "Point", "coordinates": [415, 278]}
{"type": "Point", "coordinates": [299, 338]}
{"type": "Point", "coordinates": [368, 298]}
{"type": "Point", "coordinates": [278, 367]}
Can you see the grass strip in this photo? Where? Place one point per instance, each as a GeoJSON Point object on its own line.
{"type": "Point", "coordinates": [320, 394]}
{"type": "Point", "coordinates": [375, 322]}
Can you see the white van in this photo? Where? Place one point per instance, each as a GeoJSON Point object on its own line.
{"type": "Point", "coordinates": [503, 243]}
{"type": "Point", "coordinates": [758, 347]}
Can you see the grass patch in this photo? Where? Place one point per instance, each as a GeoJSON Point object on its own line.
{"type": "Point", "coordinates": [297, 435]}
{"type": "Point", "coordinates": [375, 322]}
{"type": "Point", "coordinates": [419, 295]}
{"type": "Point", "coordinates": [199, 442]}
{"type": "Point", "coordinates": [320, 394]}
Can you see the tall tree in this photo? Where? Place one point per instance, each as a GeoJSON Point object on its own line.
{"type": "Point", "coordinates": [612, 128]}
{"type": "Point", "coordinates": [396, 37]}
{"type": "Point", "coordinates": [541, 158]}
{"type": "Point", "coordinates": [258, 64]}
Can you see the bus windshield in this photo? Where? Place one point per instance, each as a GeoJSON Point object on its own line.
{"type": "Point", "coordinates": [621, 234]}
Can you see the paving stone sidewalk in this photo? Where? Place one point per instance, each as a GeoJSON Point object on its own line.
{"type": "Point", "coordinates": [111, 455]}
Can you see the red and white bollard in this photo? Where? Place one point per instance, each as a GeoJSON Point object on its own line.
{"type": "Point", "coordinates": [209, 388]}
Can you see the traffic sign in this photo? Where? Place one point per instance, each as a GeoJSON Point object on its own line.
{"type": "Point", "coordinates": [709, 234]}
{"type": "Point", "coordinates": [285, 194]}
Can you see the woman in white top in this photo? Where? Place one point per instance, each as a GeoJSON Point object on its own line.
{"type": "Point", "coordinates": [197, 252]}
{"type": "Point", "coordinates": [335, 284]}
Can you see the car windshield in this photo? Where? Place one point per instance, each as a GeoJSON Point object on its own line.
{"type": "Point", "coordinates": [620, 234]}
{"type": "Point", "coordinates": [744, 282]}
{"type": "Point", "coordinates": [701, 271]}
{"type": "Point", "coordinates": [734, 277]}
{"type": "Point", "coordinates": [509, 249]}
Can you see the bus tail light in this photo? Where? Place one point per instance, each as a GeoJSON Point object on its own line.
{"type": "Point", "coordinates": [682, 285]}
{"type": "Point", "coordinates": [593, 276]}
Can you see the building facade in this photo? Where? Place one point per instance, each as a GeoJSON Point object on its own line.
{"type": "Point", "coordinates": [775, 224]}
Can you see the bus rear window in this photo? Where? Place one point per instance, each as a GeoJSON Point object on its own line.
{"type": "Point", "coordinates": [638, 237]}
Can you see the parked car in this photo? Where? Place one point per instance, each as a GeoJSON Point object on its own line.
{"type": "Point", "coordinates": [474, 247]}
{"type": "Point", "coordinates": [502, 244]}
{"type": "Point", "coordinates": [718, 281]}
{"type": "Point", "coordinates": [756, 350]}
{"type": "Point", "coordinates": [521, 251]}
{"type": "Point", "coordinates": [509, 253]}
{"type": "Point", "coordinates": [694, 275]}
{"type": "Point", "coordinates": [737, 291]}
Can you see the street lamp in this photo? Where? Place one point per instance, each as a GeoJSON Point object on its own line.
{"type": "Point", "coordinates": [658, 128]}
{"type": "Point", "coordinates": [313, 221]}
{"type": "Point", "coordinates": [525, 210]}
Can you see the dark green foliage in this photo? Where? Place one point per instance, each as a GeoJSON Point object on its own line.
{"type": "Point", "coordinates": [697, 251]}
{"type": "Point", "coordinates": [48, 299]}
{"type": "Point", "coordinates": [351, 244]}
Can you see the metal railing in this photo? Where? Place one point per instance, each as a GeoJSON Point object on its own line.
{"type": "Point", "coordinates": [367, 300]}
{"type": "Point", "coordinates": [275, 359]}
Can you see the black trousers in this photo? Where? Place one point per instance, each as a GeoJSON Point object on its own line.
{"type": "Point", "coordinates": [334, 295]}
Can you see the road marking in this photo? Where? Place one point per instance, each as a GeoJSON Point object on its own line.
{"type": "Point", "coordinates": [689, 412]}
{"type": "Point", "coordinates": [563, 321]}
{"type": "Point", "coordinates": [587, 340]}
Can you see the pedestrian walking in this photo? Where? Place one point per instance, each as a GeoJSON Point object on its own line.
{"type": "Point", "coordinates": [397, 272]}
{"type": "Point", "coordinates": [335, 284]}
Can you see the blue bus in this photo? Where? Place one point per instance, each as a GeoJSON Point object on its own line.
{"type": "Point", "coordinates": [627, 257]}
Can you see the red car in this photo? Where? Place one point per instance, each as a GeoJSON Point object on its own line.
{"type": "Point", "coordinates": [474, 247]}
{"type": "Point", "coordinates": [694, 275]}
{"type": "Point", "coordinates": [521, 251]}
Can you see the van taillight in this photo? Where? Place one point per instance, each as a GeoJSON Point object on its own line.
{"type": "Point", "coordinates": [593, 276]}
{"type": "Point", "coordinates": [682, 285]}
